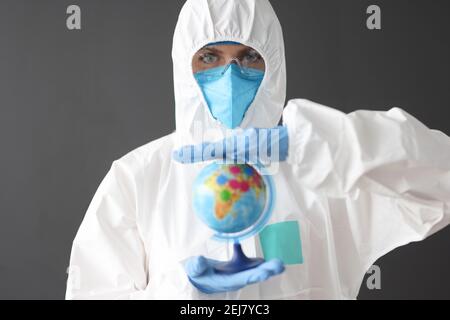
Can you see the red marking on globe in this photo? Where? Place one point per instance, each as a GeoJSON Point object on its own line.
{"type": "Point", "coordinates": [257, 181]}
{"type": "Point", "coordinates": [235, 170]}
{"type": "Point", "coordinates": [245, 186]}
{"type": "Point", "coordinates": [235, 185]}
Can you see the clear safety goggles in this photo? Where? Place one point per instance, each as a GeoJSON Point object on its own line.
{"type": "Point", "coordinates": [223, 55]}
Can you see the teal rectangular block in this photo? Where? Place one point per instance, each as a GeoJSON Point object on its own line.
{"type": "Point", "coordinates": [282, 241]}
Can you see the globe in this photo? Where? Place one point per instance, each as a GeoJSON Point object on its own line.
{"type": "Point", "coordinates": [235, 201]}
{"type": "Point", "coordinates": [230, 199]}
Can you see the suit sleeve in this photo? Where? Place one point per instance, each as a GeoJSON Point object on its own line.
{"type": "Point", "coordinates": [391, 172]}
{"type": "Point", "coordinates": [108, 255]}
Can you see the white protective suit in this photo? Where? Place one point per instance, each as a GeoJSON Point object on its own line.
{"type": "Point", "coordinates": [359, 185]}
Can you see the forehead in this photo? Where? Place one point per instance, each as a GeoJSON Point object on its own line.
{"type": "Point", "coordinates": [226, 49]}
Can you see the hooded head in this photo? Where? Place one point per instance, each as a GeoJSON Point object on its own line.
{"type": "Point", "coordinates": [250, 22]}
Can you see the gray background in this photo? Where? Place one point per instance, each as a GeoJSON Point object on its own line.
{"type": "Point", "coordinates": [71, 102]}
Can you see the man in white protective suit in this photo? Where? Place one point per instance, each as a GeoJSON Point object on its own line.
{"type": "Point", "coordinates": [350, 187]}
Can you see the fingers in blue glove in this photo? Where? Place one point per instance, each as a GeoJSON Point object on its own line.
{"type": "Point", "coordinates": [199, 153]}
{"type": "Point", "coordinates": [202, 275]}
{"type": "Point", "coordinates": [196, 266]}
{"type": "Point", "coordinates": [265, 144]}
{"type": "Point", "coordinates": [266, 271]}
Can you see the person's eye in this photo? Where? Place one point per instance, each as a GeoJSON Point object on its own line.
{"type": "Point", "coordinates": [252, 57]}
{"type": "Point", "coordinates": [208, 58]}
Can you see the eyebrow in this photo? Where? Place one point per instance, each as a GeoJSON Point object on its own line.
{"type": "Point", "coordinates": [216, 50]}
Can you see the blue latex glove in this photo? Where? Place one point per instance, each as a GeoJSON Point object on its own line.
{"type": "Point", "coordinates": [251, 146]}
{"type": "Point", "coordinates": [202, 275]}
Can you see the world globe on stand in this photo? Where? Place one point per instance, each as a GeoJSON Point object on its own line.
{"type": "Point", "coordinates": [236, 202]}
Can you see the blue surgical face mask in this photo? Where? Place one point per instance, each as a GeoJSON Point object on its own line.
{"type": "Point", "coordinates": [229, 92]}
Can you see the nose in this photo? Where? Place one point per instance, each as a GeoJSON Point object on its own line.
{"type": "Point", "coordinates": [234, 61]}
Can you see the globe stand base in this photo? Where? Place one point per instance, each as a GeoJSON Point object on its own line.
{"type": "Point", "coordinates": [240, 262]}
